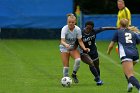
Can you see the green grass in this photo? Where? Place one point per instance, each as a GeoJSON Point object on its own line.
{"type": "Point", "coordinates": [34, 66]}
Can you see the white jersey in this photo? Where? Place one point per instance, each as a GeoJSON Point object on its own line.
{"type": "Point", "coordinates": [70, 36]}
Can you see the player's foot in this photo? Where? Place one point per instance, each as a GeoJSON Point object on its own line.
{"type": "Point", "coordinates": [139, 90]}
{"type": "Point", "coordinates": [99, 83]}
{"type": "Point", "coordinates": [130, 87]}
{"type": "Point", "coordinates": [74, 77]}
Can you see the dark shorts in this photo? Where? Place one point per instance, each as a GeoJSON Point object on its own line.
{"type": "Point", "coordinates": [94, 55]}
{"type": "Point", "coordinates": [132, 58]}
{"type": "Point", "coordinates": [129, 55]}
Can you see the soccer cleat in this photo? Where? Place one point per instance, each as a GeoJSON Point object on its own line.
{"type": "Point", "coordinates": [129, 87]}
{"type": "Point", "coordinates": [99, 83]}
{"type": "Point", "coordinates": [74, 77]}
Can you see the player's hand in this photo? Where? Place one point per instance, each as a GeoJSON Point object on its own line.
{"type": "Point", "coordinates": [87, 49]}
{"type": "Point", "coordinates": [67, 46]}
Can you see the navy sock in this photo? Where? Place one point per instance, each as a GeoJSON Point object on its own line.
{"type": "Point", "coordinates": [134, 82]}
{"type": "Point", "coordinates": [96, 63]}
{"type": "Point", "coordinates": [94, 72]}
{"type": "Point", "coordinates": [98, 70]}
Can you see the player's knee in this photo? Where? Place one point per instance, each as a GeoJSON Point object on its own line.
{"type": "Point", "coordinates": [96, 62]}
{"type": "Point", "coordinates": [78, 59]}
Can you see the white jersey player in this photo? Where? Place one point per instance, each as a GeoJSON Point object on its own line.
{"type": "Point", "coordinates": [69, 34]}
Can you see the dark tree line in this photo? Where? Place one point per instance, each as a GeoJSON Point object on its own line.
{"type": "Point", "coordinates": [106, 6]}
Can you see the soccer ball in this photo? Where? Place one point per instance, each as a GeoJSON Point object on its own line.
{"type": "Point", "coordinates": [66, 81]}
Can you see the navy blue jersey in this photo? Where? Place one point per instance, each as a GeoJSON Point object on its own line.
{"type": "Point", "coordinates": [127, 41]}
{"type": "Point", "coordinates": [89, 39]}
{"type": "Point", "coordinates": [138, 35]}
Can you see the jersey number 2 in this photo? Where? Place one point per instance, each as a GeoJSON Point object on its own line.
{"type": "Point", "coordinates": [128, 38]}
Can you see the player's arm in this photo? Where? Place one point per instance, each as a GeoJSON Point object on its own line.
{"type": "Point", "coordinates": [101, 29]}
{"type": "Point", "coordinates": [110, 47]}
{"type": "Point", "coordinates": [112, 43]}
{"type": "Point", "coordinates": [127, 14]}
{"type": "Point", "coordinates": [109, 28]}
{"type": "Point", "coordinates": [79, 37]}
{"type": "Point", "coordinates": [82, 45]}
{"type": "Point", "coordinates": [64, 43]}
{"type": "Point", "coordinates": [118, 19]}
{"type": "Point", "coordinates": [129, 18]}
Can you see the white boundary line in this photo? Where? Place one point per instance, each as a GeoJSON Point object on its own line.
{"type": "Point", "coordinates": [112, 61]}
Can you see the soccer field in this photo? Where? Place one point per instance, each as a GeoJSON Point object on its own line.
{"type": "Point", "coordinates": [34, 66]}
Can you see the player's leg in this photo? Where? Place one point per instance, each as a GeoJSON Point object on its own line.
{"type": "Point", "coordinates": [76, 55]}
{"type": "Point", "coordinates": [96, 75]}
{"type": "Point", "coordinates": [97, 63]}
{"type": "Point", "coordinates": [65, 59]}
{"type": "Point", "coordinates": [87, 59]}
{"type": "Point", "coordinates": [130, 86]}
{"type": "Point", "coordinates": [128, 70]}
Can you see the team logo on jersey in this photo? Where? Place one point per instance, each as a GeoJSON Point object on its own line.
{"type": "Point", "coordinates": [88, 38]}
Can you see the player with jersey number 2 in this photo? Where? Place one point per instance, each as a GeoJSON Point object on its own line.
{"type": "Point", "coordinates": [128, 52]}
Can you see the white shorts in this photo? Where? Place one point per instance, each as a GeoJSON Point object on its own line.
{"type": "Point", "coordinates": [64, 49]}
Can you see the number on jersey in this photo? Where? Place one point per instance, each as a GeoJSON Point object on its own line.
{"type": "Point", "coordinates": [128, 38]}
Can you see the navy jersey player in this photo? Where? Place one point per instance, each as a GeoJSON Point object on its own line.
{"type": "Point", "coordinates": [91, 58]}
{"type": "Point", "coordinates": [128, 52]}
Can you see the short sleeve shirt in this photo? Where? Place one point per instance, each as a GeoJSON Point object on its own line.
{"type": "Point", "coordinates": [71, 36]}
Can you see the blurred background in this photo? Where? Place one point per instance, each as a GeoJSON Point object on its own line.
{"type": "Point", "coordinates": [43, 19]}
{"type": "Point", "coordinates": [105, 6]}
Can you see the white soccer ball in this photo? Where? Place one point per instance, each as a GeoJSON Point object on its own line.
{"type": "Point", "coordinates": [66, 81]}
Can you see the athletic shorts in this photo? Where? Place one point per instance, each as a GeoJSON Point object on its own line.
{"type": "Point", "coordinates": [64, 49]}
{"type": "Point", "coordinates": [133, 58]}
{"type": "Point", "coordinates": [94, 56]}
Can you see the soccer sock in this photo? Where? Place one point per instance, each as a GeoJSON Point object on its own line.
{"type": "Point", "coordinates": [98, 70]}
{"type": "Point", "coordinates": [76, 65]}
{"type": "Point", "coordinates": [65, 71]}
{"type": "Point", "coordinates": [134, 82]}
{"type": "Point", "coordinates": [96, 63]}
{"type": "Point", "coordinates": [94, 72]}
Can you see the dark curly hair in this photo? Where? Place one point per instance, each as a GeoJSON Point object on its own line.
{"type": "Point", "coordinates": [89, 23]}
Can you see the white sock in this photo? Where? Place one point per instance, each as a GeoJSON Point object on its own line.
{"type": "Point", "coordinates": [76, 64]}
{"type": "Point", "coordinates": [65, 71]}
